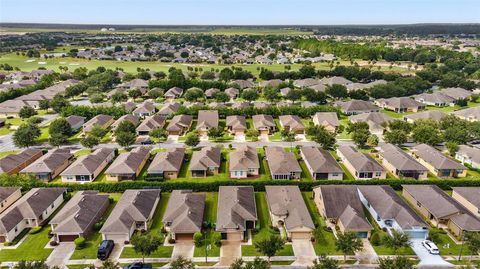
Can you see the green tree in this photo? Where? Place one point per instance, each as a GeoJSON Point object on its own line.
{"type": "Point", "coordinates": [452, 147]}
{"type": "Point", "coordinates": [226, 74]}
{"type": "Point", "coordinates": [58, 103]}
{"type": "Point", "coordinates": [313, 96]}
{"type": "Point", "coordinates": [193, 94]}
{"type": "Point", "coordinates": [60, 126]}
{"type": "Point", "coordinates": [26, 112]}
{"type": "Point", "coordinates": [396, 137]}
{"type": "Point", "coordinates": [158, 133]}
{"type": "Point", "coordinates": [96, 97]}
{"type": "Point", "coordinates": [348, 243]}
{"type": "Point", "coordinates": [472, 241]}
{"type": "Point", "coordinates": [372, 140]}
{"type": "Point", "coordinates": [26, 135]}
{"type": "Point", "coordinates": [197, 239]}
{"type": "Point", "coordinates": [145, 244]}
{"type": "Point", "coordinates": [98, 132]}
{"type": "Point", "coordinates": [44, 104]}
{"type": "Point", "coordinates": [325, 262]}
{"type": "Point", "coordinates": [360, 137]}
{"type": "Point", "coordinates": [320, 135]}
{"type": "Point", "coordinates": [125, 127]}
{"type": "Point", "coordinates": [294, 95]}
{"type": "Point", "coordinates": [90, 141]}
{"type": "Point", "coordinates": [337, 91]}
{"type": "Point", "coordinates": [257, 263]}
{"type": "Point", "coordinates": [397, 241]}
{"type": "Point", "coordinates": [134, 93]}
{"type": "Point", "coordinates": [125, 139]}
{"type": "Point", "coordinates": [427, 131]}
{"type": "Point", "coordinates": [221, 97]}
{"type": "Point", "coordinates": [250, 95]}
{"type": "Point", "coordinates": [182, 263]}
{"type": "Point", "coordinates": [287, 135]}
{"type": "Point", "coordinates": [57, 139]}
{"type": "Point", "coordinates": [109, 264]}
{"type": "Point", "coordinates": [155, 93]}
{"type": "Point", "coordinates": [192, 140]}
{"type": "Point", "coordinates": [270, 245]}
{"type": "Point", "coordinates": [397, 262]}
{"type": "Point", "coordinates": [31, 265]}
{"type": "Point", "coordinates": [118, 97]}
{"type": "Point", "coordinates": [216, 132]}
{"type": "Point", "coordinates": [271, 94]}
{"type": "Point", "coordinates": [253, 134]}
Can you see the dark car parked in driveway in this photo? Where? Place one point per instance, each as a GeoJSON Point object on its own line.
{"type": "Point", "coordinates": [105, 249]}
{"type": "Point", "coordinates": [138, 265]}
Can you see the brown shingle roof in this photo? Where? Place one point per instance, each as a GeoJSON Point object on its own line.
{"type": "Point", "coordinates": [205, 158]}
{"type": "Point", "coordinates": [237, 123]}
{"type": "Point", "coordinates": [263, 121]}
{"type": "Point", "coordinates": [49, 162]}
{"type": "Point", "coordinates": [236, 205]}
{"type": "Point", "coordinates": [185, 211]}
{"type": "Point", "coordinates": [400, 159]}
{"type": "Point", "coordinates": [436, 158]}
{"type": "Point", "coordinates": [281, 162]}
{"type": "Point", "coordinates": [12, 161]}
{"type": "Point", "coordinates": [207, 119]}
{"type": "Point", "coordinates": [171, 160]}
{"type": "Point", "coordinates": [321, 161]}
{"type": "Point", "coordinates": [128, 163]}
{"type": "Point", "coordinates": [179, 122]}
{"type": "Point", "coordinates": [244, 158]}
{"type": "Point", "coordinates": [87, 164]}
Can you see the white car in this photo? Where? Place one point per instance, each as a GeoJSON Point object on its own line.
{"type": "Point", "coordinates": [431, 247]}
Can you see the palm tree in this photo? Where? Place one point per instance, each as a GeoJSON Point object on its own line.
{"type": "Point", "coordinates": [348, 243]}
{"type": "Point", "coordinates": [397, 241]}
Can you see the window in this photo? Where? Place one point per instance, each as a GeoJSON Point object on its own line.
{"type": "Point", "coordinates": [16, 229]}
{"type": "Point", "coordinates": [419, 204]}
{"type": "Point", "coordinates": [334, 174]}
{"type": "Point", "coordinates": [378, 218]}
{"type": "Point", "coordinates": [378, 174]}
{"type": "Point", "coordinates": [53, 205]}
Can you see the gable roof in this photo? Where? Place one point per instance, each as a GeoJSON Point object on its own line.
{"type": "Point", "coordinates": [6, 192]}
{"type": "Point", "coordinates": [128, 162]}
{"type": "Point", "coordinates": [171, 160]}
{"type": "Point", "coordinates": [281, 162]}
{"type": "Point", "coordinates": [49, 162]}
{"type": "Point", "coordinates": [321, 161]}
{"type": "Point", "coordinates": [288, 201]}
{"type": "Point", "coordinates": [244, 158]}
{"type": "Point", "coordinates": [75, 120]}
{"type": "Point", "coordinates": [435, 158]}
{"type": "Point", "coordinates": [327, 118]}
{"type": "Point", "coordinates": [169, 108]}
{"type": "Point", "coordinates": [375, 120]}
{"type": "Point", "coordinates": [100, 120]}
{"type": "Point", "coordinates": [389, 205]}
{"type": "Point", "coordinates": [400, 102]}
{"type": "Point", "coordinates": [174, 92]}
{"type": "Point", "coordinates": [432, 198]}
{"type": "Point", "coordinates": [236, 205]}
{"type": "Point", "coordinates": [263, 121]}
{"type": "Point", "coordinates": [78, 215]}
{"type": "Point", "coordinates": [207, 157]}
{"type": "Point", "coordinates": [150, 123]}
{"type": "Point", "coordinates": [87, 164]}
{"type": "Point", "coordinates": [292, 121]}
{"type": "Point", "coordinates": [134, 206]}
{"type": "Point", "coordinates": [207, 119]}
{"type": "Point", "coordinates": [471, 194]}
{"type": "Point", "coordinates": [362, 162]}
{"type": "Point", "coordinates": [400, 159]}
{"type": "Point", "coordinates": [429, 114]}
{"type": "Point", "coordinates": [185, 211]}
{"type": "Point", "coordinates": [12, 161]}
{"type": "Point", "coordinates": [179, 122]}
{"type": "Point", "coordinates": [471, 113]}
{"type": "Point", "coordinates": [128, 117]}
{"type": "Point", "coordinates": [236, 122]}
{"type": "Point", "coordinates": [356, 106]}
{"type": "Point", "coordinates": [145, 107]}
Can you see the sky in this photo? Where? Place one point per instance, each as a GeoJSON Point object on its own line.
{"type": "Point", "coordinates": [240, 12]}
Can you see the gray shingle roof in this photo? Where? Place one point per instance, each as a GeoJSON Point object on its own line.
{"type": "Point", "coordinates": [321, 161]}
{"type": "Point", "coordinates": [236, 205]}
{"type": "Point", "coordinates": [360, 161]}
{"type": "Point", "coordinates": [87, 164]}
{"type": "Point", "coordinates": [12, 161]}
{"type": "Point", "coordinates": [436, 158]}
{"type": "Point", "coordinates": [6, 192]}
{"type": "Point", "coordinates": [205, 158]}
{"type": "Point", "coordinates": [185, 211]}
{"type": "Point", "coordinates": [327, 118]}
{"type": "Point", "coordinates": [128, 163]}
{"type": "Point", "coordinates": [179, 122]}
{"type": "Point", "coordinates": [171, 160]}
{"type": "Point", "coordinates": [49, 162]}
{"type": "Point", "coordinates": [263, 121]}
{"type": "Point", "coordinates": [400, 159]}
{"type": "Point", "coordinates": [236, 122]}
{"type": "Point", "coordinates": [244, 158]}
{"type": "Point", "coordinates": [207, 119]}
{"type": "Point", "coordinates": [471, 194]}
{"type": "Point", "coordinates": [281, 162]}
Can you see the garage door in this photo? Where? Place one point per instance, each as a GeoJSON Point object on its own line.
{"type": "Point", "coordinates": [2, 239]}
{"type": "Point", "coordinates": [362, 234]}
{"type": "Point", "coordinates": [67, 238]}
{"type": "Point", "coordinates": [234, 236]}
{"type": "Point", "coordinates": [300, 235]}
{"type": "Point", "coordinates": [418, 234]}
{"type": "Point", "coordinates": [180, 237]}
{"type": "Point", "coordinates": [117, 238]}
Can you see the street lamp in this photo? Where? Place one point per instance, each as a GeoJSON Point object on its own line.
{"type": "Point", "coordinates": [207, 246]}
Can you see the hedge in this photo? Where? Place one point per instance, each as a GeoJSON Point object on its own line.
{"type": "Point", "coordinates": [259, 185]}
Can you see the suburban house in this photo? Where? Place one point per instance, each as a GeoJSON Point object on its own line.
{"type": "Point", "coordinates": [468, 155]}
{"type": "Point", "coordinates": [243, 84]}
{"type": "Point", "coordinates": [103, 121]}
{"type": "Point", "coordinates": [342, 207]}
{"type": "Point", "coordinates": [173, 93]}
{"type": "Point", "coordinates": [179, 125]}
{"type": "Point", "coordinates": [150, 123]}
{"type": "Point", "coordinates": [441, 209]}
{"type": "Point", "coordinates": [283, 165]}
{"type": "Point", "coordinates": [232, 92]}
{"type": "Point", "coordinates": [264, 124]}
{"type": "Point", "coordinates": [169, 108]}
{"type": "Point", "coordinates": [129, 117]}
{"type": "Point", "coordinates": [320, 163]}
{"type": "Point", "coordinates": [469, 114]}
{"type": "Point", "coordinates": [79, 216]}
{"type": "Point", "coordinates": [457, 93]}
{"type": "Point", "coordinates": [469, 197]}
{"type": "Point", "coordinates": [244, 163]}
{"type": "Point", "coordinates": [236, 125]}
{"type": "Point", "coordinates": [139, 84]}
{"type": "Point", "coordinates": [207, 119]}
{"type": "Point", "coordinates": [288, 210]}
{"type": "Point", "coordinates": [335, 80]}
{"type": "Point", "coordinates": [50, 165]}
{"type": "Point", "coordinates": [211, 92]}
{"type": "Point", "coordinates": [184, 214]}
{"type": "Point", "coordinates": [434, 99]}
{"type": "Point", "coordinates": [31, 210]}
{"type": "Point", "coordinates": [375, 120]}
{"type": "Point", "coordinates": [236, 212]}
{"type": "Point", "coordinates": [292, 123]}
{"type": "Point", "coordinates": [329, 120]}
{"type": "Point", "coordinates": [206, 162]}
{"type": "Point", "coordinates": [400, 104]}
{"type": "Point", "coordinates": [361, 165]}
{"type": "Point", "coordinates": [11, 108]}
{"type": "Point", "coordinates": [14, 163]}
{"type": "Point", "coordinates": [76, 122]}
{"type": "Point", "coordinates": [391, 212]}
{"type": "Point", "coordinates": [147, 108]}
{"type": "Point", "coordinates": [354, 107]}
{"type": "Point", "coordinates": [8, 195]}
{"type": "Point", "coordinates": [429, 114]}
{"type": "Point", "coordinates": [128, 165]}
{"type": "Point", "coordinates": [401, 164]}
{"type": "Point", "coordinates": [129, 106]}
{"type": "Point", "coordinates": [437, 163]}
{"type": "Point", "coordinates": [167, 164]}
{"type": "Point", "coordinates": [133, 212]}
{"type": "Point", "coordinates": [88, 167]}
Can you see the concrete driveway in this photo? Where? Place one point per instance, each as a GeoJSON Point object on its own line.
{"type": "Point", "coordinates": [184, 248]}
{"type": "Point", "coordinates": [368, 254]}
{"type": "Point", "coordinates": [427, 259]}
{"type": "Point", "coordinates": [239, 138]}
{"type": "Point", "coordinates": [229, 252]}
{"type": "Point", "coordinates": [61, 254]}
{"type": "Point", "coordinates": [304, 252]}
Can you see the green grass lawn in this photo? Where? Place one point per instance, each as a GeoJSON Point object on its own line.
{"type": "Point", "coordinates": [210, 215]}
{"type": "Point", "coordinates": [32, 249]}
{"type": "Point", "coordinates": [155, 229]}
{"type": "Point", "coordinates": [263, 229]}
{"type": "Point", "coordinates": [90, 250]}
{"type": "Point", "coordinates": [344, 134]}
{"type": "Point", "coordinates": [325, 244]}
{"type": "Point", "coordinates": [5, 131]}
{"type": "Point", "coordinates": [6, 153]}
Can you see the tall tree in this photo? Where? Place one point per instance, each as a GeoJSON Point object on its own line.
{"type": "Point", "coordinates": [397, 262]}
{"type": "Point", "coordinates": [145, 244]}
{"type": "Point", "coordinates": [397, 240]}
{"type": "Point", "coordinates": [325, 262]}
{"type": "Point", "coordinates": [348, 243]}
{"type": "Point", "coordinates": [270, 245]}
{"type": "Point", "coordinates": [182, 263]}
{"type": "Point", "coordinates": [27, 112]}
{"type": "Point", "coordinates": [472, 240]}
{"type": "Point", "coordinates": [26, 135]}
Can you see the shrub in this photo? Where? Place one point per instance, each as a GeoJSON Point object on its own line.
{"type": "Point", "coordinates": [80, 242]}
{"type": "Point", "coordinates": [375, 239]}
{"type": "Point", "coordinates": [197, 239]}
{"type": "Point", "coordinates": [35, 230]}
{"type": "Point", "coordinates": [10, 243]}
{"type": "Point", "coordinates": [98, 226]}
{"type": "Point", "coordinates": [53, 243]}
{"type": "Point", "coordinates": [217, 239]}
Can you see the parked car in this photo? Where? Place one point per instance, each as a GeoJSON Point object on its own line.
{"type": "Point", "coordinates": [431, 247]}
{"type": "Point", "coordinates": [105, 249]}
{"type": "Point", "coordinates": [138, 265]}
{"type": "Point", "coordinates": [147, 142]}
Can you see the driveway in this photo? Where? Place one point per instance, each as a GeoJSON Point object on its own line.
{"type": "Point", "coordinates": [368, 254]}
{"type": "Point", "coordinates": [229, 252]}
{"type": "Point", "coordinates": [184, 248]}
{"type": "Point", "coordinates": [425, 257]}
{"type": "Point", "coordinates": [239, 138]}
{"type": "Point", "coordinates": [61, 254]}
{"type": "Point", "coordinates": [304, 252]}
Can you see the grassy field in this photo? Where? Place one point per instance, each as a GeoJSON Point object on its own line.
{"type": "Point", "coordinates": [264, 230]}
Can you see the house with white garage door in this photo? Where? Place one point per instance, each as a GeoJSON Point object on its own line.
{"type": "Point", "coordinates": [133, 212]}
{"type": "Point", "coordinates": [391, 212]}
{"type": "Point", "coordinates": [288, 211]}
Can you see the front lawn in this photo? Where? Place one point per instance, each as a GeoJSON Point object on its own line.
{"type": "Point", "coordinates": [210, 216]}
{"type": "Point", "coordinates": [32, 249]}
{"type": "Point", "coordinates": [162, 252]}
{"type": "Point", "coordinates": [263, 229]}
